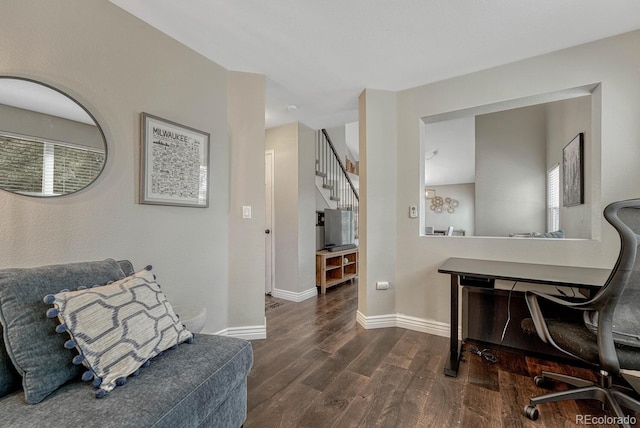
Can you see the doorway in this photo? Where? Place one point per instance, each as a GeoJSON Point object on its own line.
{"type": "Point", "coordinates": [268, 237]}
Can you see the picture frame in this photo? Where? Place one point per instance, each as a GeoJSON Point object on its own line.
{"type": "Point", "coordinates": [174, 163]}
{"type": "Point", "coordinates": [429, 193]}
{"type": "Point", "coordinates": [573, 172]}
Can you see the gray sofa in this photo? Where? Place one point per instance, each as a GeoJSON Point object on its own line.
{"type": "Point", "coordinates": [198, 384]}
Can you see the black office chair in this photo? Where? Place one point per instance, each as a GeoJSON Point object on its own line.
{"type": "Point", "coordinates": [608, 336]}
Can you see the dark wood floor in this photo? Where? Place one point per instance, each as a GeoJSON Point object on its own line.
{"type": "Point", "coordinates": [318, 368]}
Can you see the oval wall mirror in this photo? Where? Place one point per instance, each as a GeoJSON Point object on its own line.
{"type": "Point", "coordinates": [50, 145]}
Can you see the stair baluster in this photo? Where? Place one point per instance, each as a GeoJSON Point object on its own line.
{"type": "Point", "coordinates": [334, 175]}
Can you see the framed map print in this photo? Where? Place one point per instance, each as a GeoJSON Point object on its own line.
{"type": "Point", "coordinates": [174, 164]}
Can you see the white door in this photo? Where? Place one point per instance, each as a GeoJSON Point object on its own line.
{"type": "Point", "coordinates": [268, 237]}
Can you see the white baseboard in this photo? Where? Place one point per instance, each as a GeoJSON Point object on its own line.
{"type": "Point", "coordinates": [293, 296]}
{"type": "Point", "coordinates": [436, 328]}
{"type": "Point", "coordinates": [248, 333]}
{"type": "Point", "coordinates": [376, 321]}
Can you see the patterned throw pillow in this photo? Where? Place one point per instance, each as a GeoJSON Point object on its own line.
{"type": "Point", "coordinates": [117, 328]}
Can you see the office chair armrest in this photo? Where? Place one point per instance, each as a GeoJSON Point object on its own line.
{"type": "Point", "coordinates": [606, 345]}
{"type": "Point", "coordinates": [585, 305]}
{"type": "Point", "coordinates": [536, 316]}
{"type": "Point", "coordinates": [531, 297]}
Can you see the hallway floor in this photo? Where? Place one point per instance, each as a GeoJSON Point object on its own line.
{"type": "Point", "coordinates": [318, 368]}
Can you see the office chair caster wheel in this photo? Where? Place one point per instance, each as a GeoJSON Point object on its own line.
{"type": "Point", "coordinates": [531, 412]}
{"type": "Point", "coordinates": [542, 382]}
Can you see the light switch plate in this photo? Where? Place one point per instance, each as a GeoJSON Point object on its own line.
{"type": "Point", "coordinates": [413, 211]}
{"type": "Point", "coordinates": [246, 211]}
{"type": "Point", "coordinates": [382, 285]}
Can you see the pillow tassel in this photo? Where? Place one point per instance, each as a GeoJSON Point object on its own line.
{"type": "Point", "coordinates": [88, 376]}
{"type": "Point", "coordinates": [100, 393]}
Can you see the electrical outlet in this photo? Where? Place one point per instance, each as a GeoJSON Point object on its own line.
{"type": "Point", "coordinates": [382, 285]}
{"type": "Point", "coordinates": [413, 211]}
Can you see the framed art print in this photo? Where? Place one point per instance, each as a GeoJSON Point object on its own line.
{"type": "Point", "coordinates": [174, 164]}
{"type": "Point", "coordinates": [573, 172]}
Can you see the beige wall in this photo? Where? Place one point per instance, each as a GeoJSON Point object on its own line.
{"type": "Point", "coordinates": [32, 124]}
{"type": "Point", "coordinates": [246, 243]}
{"type": "Point", "coordinates": [294, 231]}
{"type": "Point", "coordinates": [510, 172]}
{"type": "Point", "coordinates": [565, 119]}
{"type": "Point", "coordinates": [339, 141]}
{"type": "Point", "coordinates": [306, 209]}
{"type": "Point", "coordinates": [379, 171]}
{"type": "Point", "coordinates": [464, 215]}
{"type": "Point", "coordinates": [419, 290]}
{"type": "Point", "coordinates": [118, 67]}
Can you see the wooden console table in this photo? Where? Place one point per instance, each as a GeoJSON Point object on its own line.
{"type": "Point", "coordinates": [335, 267]}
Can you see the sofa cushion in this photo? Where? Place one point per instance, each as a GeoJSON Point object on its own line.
{"type": "Point", "coordinates": [9, 377]}
{"type": "Point", "coordinates": [183, 388]}
{"type": "Point", "coordinates": [118, 327]}
{"type": "Point", "coordinates": [36, 350]}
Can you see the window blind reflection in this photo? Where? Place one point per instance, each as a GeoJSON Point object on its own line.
{"type": "Point", "coordinates": [37, 167]}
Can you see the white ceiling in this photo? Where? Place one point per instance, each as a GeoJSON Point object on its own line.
{"type": "Point", "coordinates": [450, 151]}
{"type": "Point", "coordinates": [29, 95]}
{"type": "Point", "coordinates": [452, 135]}
{"type": "Point", "coordinates": [320, 55]}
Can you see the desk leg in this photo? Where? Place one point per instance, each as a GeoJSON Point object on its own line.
{"type": "Point", "coordinates": [451, 366]}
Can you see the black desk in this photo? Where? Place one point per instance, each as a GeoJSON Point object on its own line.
{"type": "Point", "coordinates": [479, 271]}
